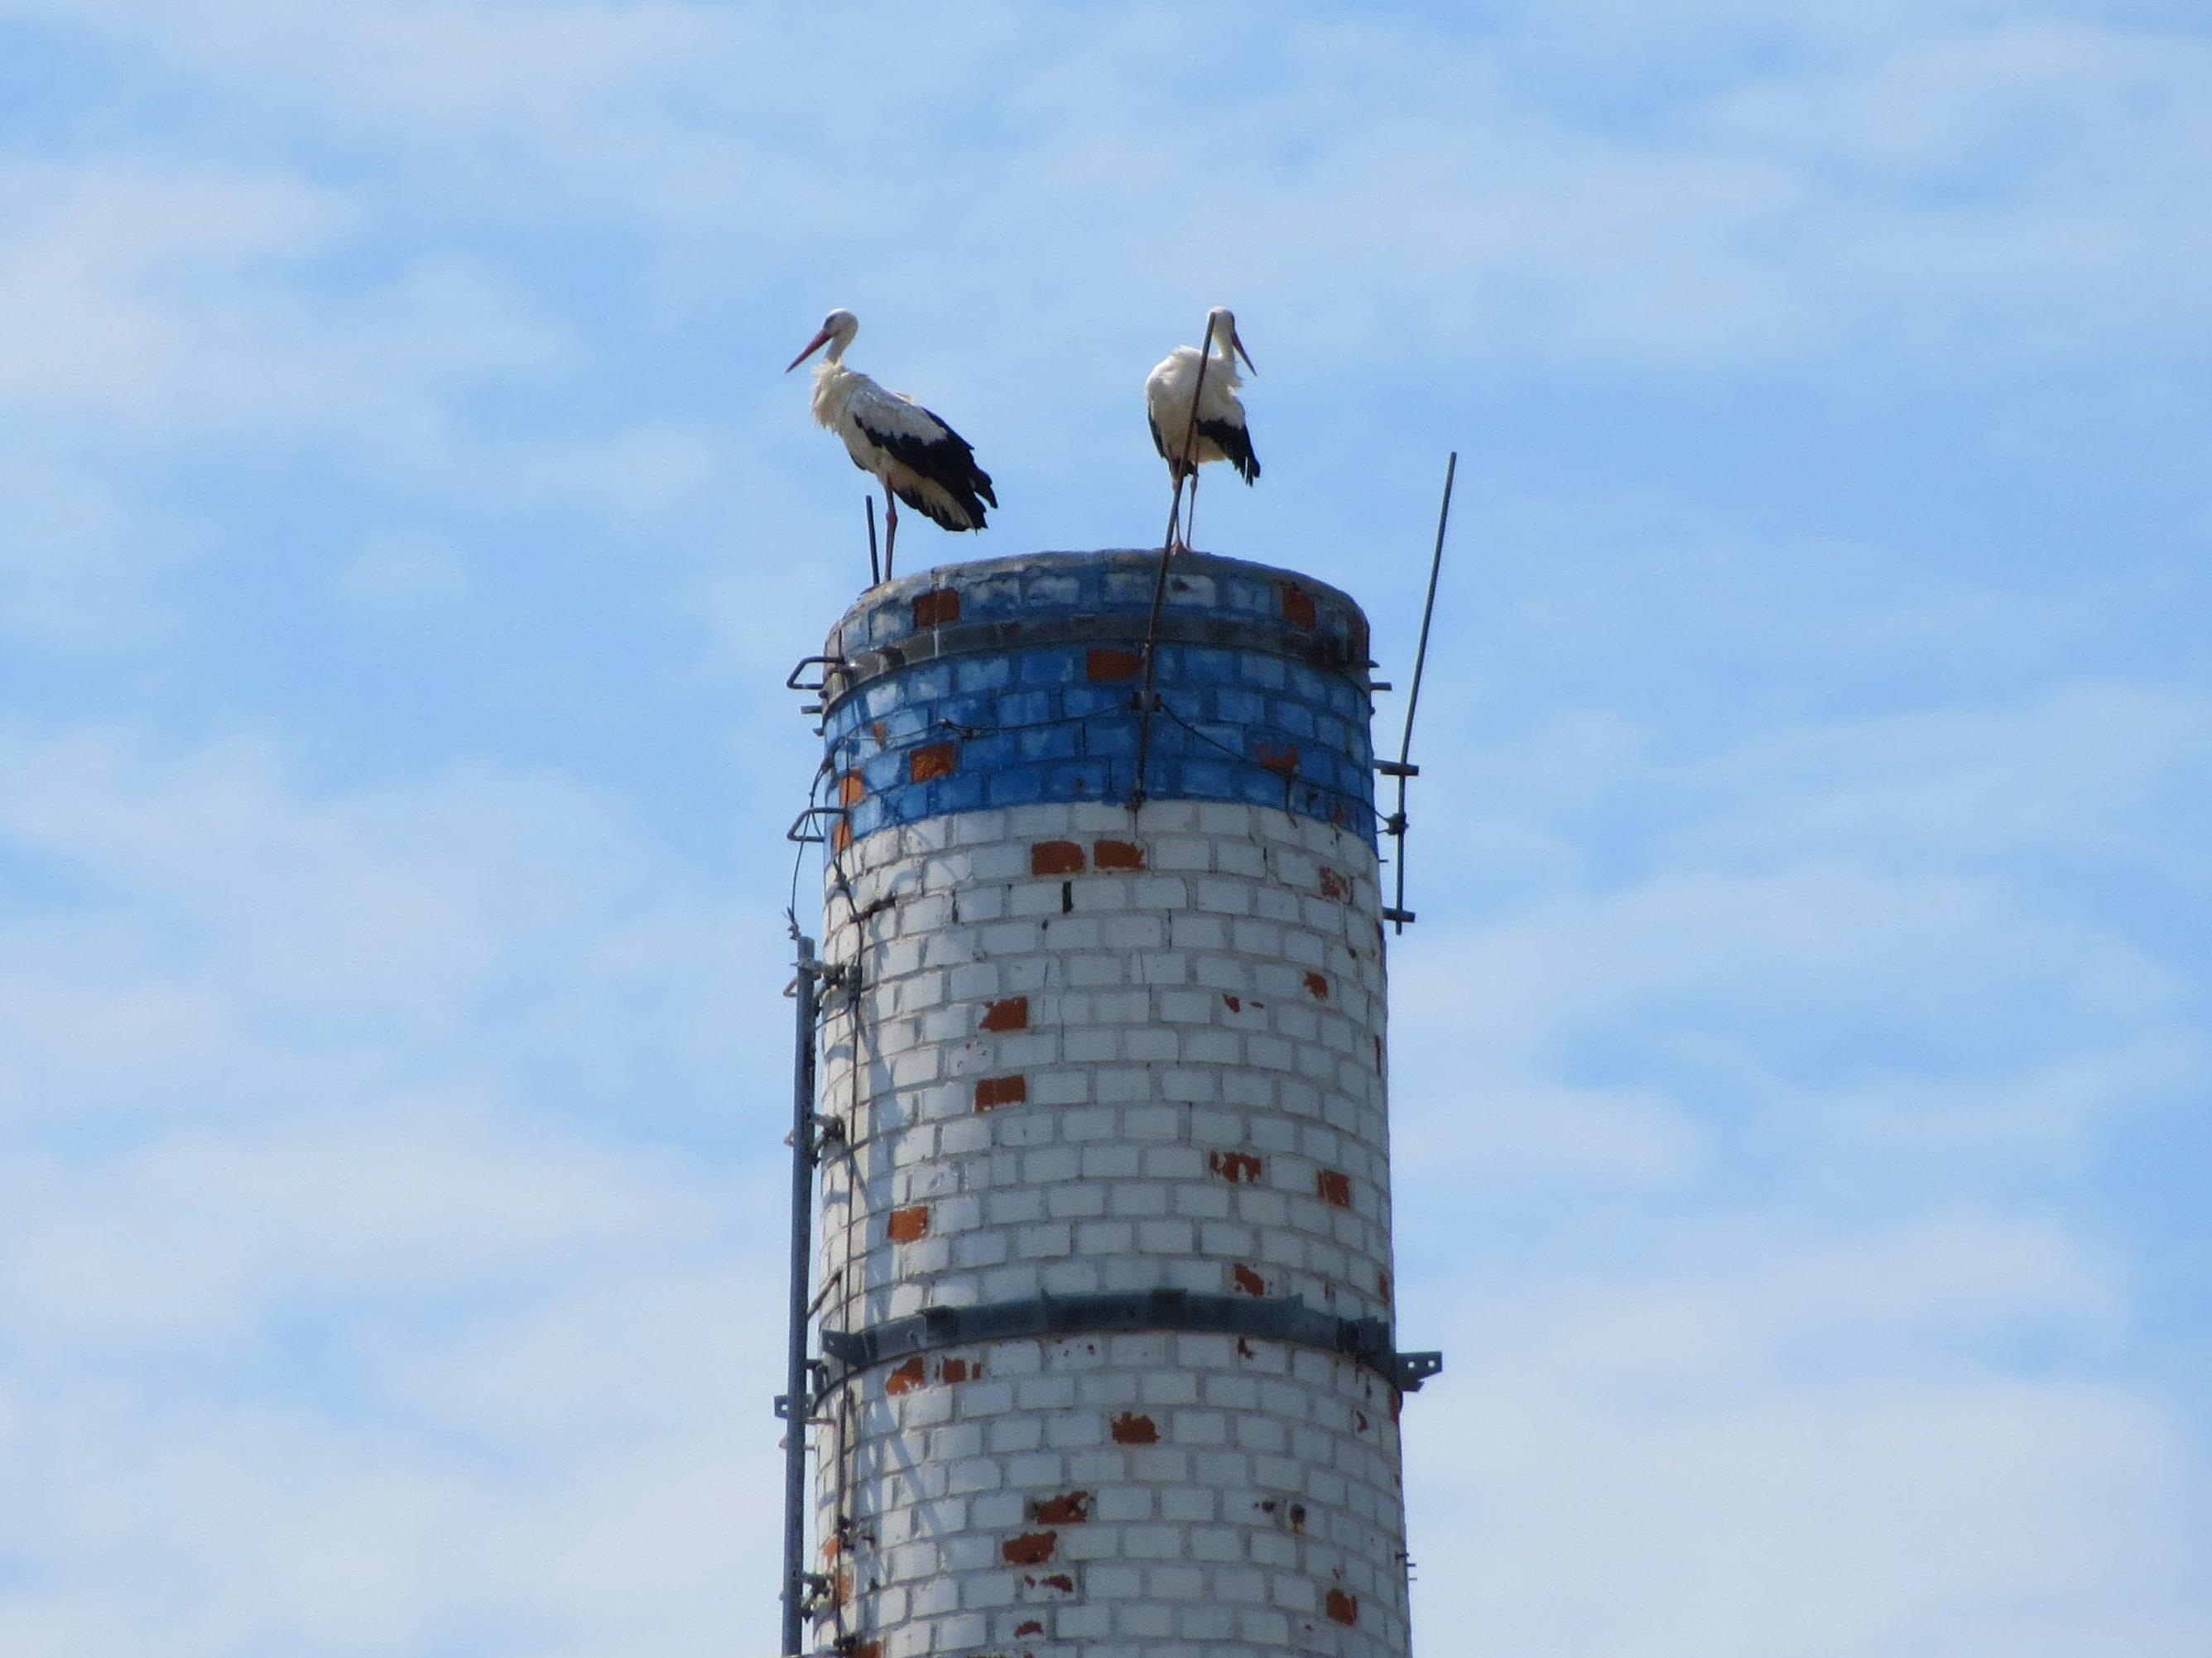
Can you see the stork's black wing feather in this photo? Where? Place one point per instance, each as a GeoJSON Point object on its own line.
{"type": "Point", "coordinates": [1231, 438]}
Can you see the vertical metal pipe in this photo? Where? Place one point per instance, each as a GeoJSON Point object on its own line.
{"type": "Point", "coordinates": [798, 1404]}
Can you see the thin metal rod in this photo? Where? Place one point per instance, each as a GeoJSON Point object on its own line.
{"type": "Point", "coordinates": [1152, 664]}
{"type": "Point", "coordinates": [875, 570]}
{"type": "Point", "coordinates": [1414, 694]}
{"type": "Point", "coordinates": [798, 1402]}
{"type": "Point", "coordinates": [1186, 468]}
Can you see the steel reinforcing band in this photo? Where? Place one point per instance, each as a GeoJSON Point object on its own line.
{"type": "Point", "coordinates": [1285, 1319]}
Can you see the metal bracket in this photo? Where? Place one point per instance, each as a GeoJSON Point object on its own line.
{"type": "Point", "coordinates": [791, 682]}
{"type": "Point", "coordinates": [808, 817]}
{"type": "Point", "coordinates": [1415, 1368]}
{"type": "Point", "coordinates": [1396, 768]}
{"type": "Point", "coordinates": [817, 1384]}
{"type": "Point", "coordinates": [1400, 916]}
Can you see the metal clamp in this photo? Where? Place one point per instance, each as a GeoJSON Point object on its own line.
{"type": "Point", "coordinates": [1280, 1318]}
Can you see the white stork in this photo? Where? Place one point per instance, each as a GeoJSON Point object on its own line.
{"type": "Point", "coordinates": [1218, 432]}
{"type": "Point", "coordinates": [921, 461]}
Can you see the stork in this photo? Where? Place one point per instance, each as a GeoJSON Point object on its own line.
{"type": "Point", "coordinates": [1186, 439]}
{"type": "Point", "coordinates": [920, 460]}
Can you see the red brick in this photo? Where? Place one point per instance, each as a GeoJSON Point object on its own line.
{"type": "Point", "coordinates": [934, 760]}
{"type": "Point", "coordinates": [1316, 987]}
{"type": "Point", "coordinates": [992, 1092]}
{"type": "Point", "coordinates": [1118, 854]}
{"type": "Point", "coordinates": [937, 607]}
{"type": "Point", "coordinates": [909, 1223]}
{"type": "Point", "coordinates": [1297, 604]}
{"type": "Point", "coordinates": [1248, 1280]}
{"type": "Point", "coordinates": [1335, 1187]}
{"type": "Point", "coordinates": [910, 1376]}
{"type": "Point", "coordinates": [1238, 1168]}
{"type": "Point", "coordinates": [1031, 1548]}
{"type": "Point", "coordinates": [1345, 1608]}
{"type": "Point", "coordinates": [1069, 1508]}
{"type": "Point", "coordinates": [850, 791]}
{"type": "Point", "coordinates": [959, 1369]}
{"type": "Point", "coordinates": [1333, 885]}
{"type": "Point", "coordinates": [1056, 858]}
{"type": "Point", "coordinates": [1283, 759]}
{"type": "Point", "coordinates": [1012, 1014]}
{"type": "Point", "coordinates": [1130, 1429]}
{"type": "Point", "coordinates": [1102, 664]}
{"type": "Point", "coordinates": [1030, 1627]}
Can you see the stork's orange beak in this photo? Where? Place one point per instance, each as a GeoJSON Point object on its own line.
{"type": "Point", "coordinates": [823, 338]}
{"type": "Point", "coordinates": [1237, 343]}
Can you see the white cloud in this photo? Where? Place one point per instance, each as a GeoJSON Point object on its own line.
{"type": "Point", "coordinates": [341, 1316]}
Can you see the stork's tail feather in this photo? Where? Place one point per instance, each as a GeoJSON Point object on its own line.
{"type": "Point", "coordinates": [943, 506]}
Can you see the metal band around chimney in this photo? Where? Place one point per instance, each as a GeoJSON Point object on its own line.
{"type": "Point", "coordinates": [1285, 1319]}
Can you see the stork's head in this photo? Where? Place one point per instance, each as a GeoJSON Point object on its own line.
{"type": "Point", "coordinates": [838, 331]}
{"type": "Point", "coordinates": [1221, 331]}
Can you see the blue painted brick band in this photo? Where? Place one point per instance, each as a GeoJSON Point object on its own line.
{"type": "Point", "coordinates": [1012, 681]}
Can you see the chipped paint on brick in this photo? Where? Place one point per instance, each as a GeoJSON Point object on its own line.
{"type": "Point", "coordinates": [1030, 1549]}
{"type": "Point", "coordinates": [1249, 1282]}
{"type": "Point", "coordinates": [907, 1376]}
{"type": "Point", "coordinates": [1334, 885]}
{"type": "Point", "coordinates": [1118, 854]}
{"type": "Point", "coordinates": [1344, 1609]}
{"type": "Point", "coordinates": [1056, 858]}
{"type": "Point", "coordinates": [1068, 1509]}
{"type": "Point", "coordinates": [931, 761]}
{"type": "Point", "coordinates": [1298, 606]}
{"type": "Point", "coordinates": [1012, 1014]}
{"type": "Point", "coordinates": [1334, 1186]}
{"type": "Point", "coordinates": [1282, 758]}
{"type": "Point", "coordinates": [1238, 1168]}
{"type": "Point", "coordinates": [992, 1092]}
{"type": "Point", "coordinates": [1101, 663]}
{"type": "Point", "coordinates": [1132, 1428]}
{"type": "Point", "coordinates": [909, 1223]}
{"type": "Point", "coordinates": [936, 607]}
{"type": "Point", "coordinates": [1316, 987]}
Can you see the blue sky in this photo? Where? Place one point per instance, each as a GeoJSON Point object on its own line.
{"type": "Point", "coordinates": [405, 529]}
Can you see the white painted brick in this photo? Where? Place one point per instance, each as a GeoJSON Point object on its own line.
{"type": "Point", "coordinates": [1162, 967]}
{"type": "Point", "coordinates": [1136, 1185]}
{"type": "Point", "coordinates": [1139, 1198]}
{"type": "Point", "coordinates": [1150, 1044]}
